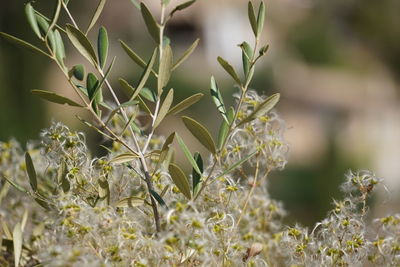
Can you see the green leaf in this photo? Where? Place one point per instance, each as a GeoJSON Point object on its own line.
{"type": "Point", "coordinates": [81, 43]}
{"type": "Point", "coordinates": [17, 242]}
{"type": "Point", "coordinates": [260, 18]}
{"type": "Point", "coordinates": [53, 97]}
{"type": "Point", "coordinates": [22, 43]}
{"type": "Point", "coordinates": [102, 46]}
{"type": "Point", "coordinates": [229, 69]}
{"type": "Point", "coordinates": [146, 72]}
{"type": "Point", "coordinates": [62, 177]}
{"type": "Point", "coordinates": [123, 158]}
{"type": "Point", "coordinates": [30, 15]}
{"type": "Point", "coordinates": [151, 23]}
{"type": "Point", "coordinates": [129, 202]}
{"type": "Point", "coordinates": [168, 141]}
{"type": "Point", "coordinates": [186, 103]}
{"type": "Point", "coordinates": [55, 17]}
{"type": "Point", "coordinates": [217, 98]}
{"type": "Point", "coordinates": [96, 15]}
{"type": "Point", "coordinates": [197, 176]}
{"type": "Point", "coordinates": [237, 164]}
{"type": "Point", "coordinates": [60, 50]}
{"type": "Point", "coordinates": [164, 108]}
{"type": "Point", "coordinates": [44, 203]}
{"type": "Point", "coordinates": [143, 105]}
{"type": "Point", "coordinates": [104, 190]}
{"type": "Point", "coordinates": [46, 32]}
{"type": "Point", "coordinates": [263, 50]}
{"type": "Point", "coordinates": [97, 92]}
{"type": "Point", "coordinates": [247, 55]}
{"type": "Point", "coordinates": [181, 7]}
{"type": "Point", "coordinates": [78, 71]}
{"type": "Point", "coordinates": [91, 84]}
{"type": "Point", "coordinates": [252, 17]}
{"type": "Point", "coordinates": [159, 199]}
{"type": "Point", "coordinates": [129, 91]}
{"type": "Point", "coordinates": [224, 128]}
{"type": "Point", "coordinates": [180, 180]}
{"type": "Point", "coordinates": [262, 109]}
{"type": "Point", "coordinates": [135, 57]}
{"type": "Point", "coordinates": [16, 186]}
{"type": "Point", "coordinates": [200, 132]}
{"type": "Point", "coordinates": [186, 54]}
{"type": "Point", "coordinates": [148, 94]}
{"type": "Point", "coordinates": [30, 169]}
{"type": "Point", "coordinates": [164, 71]}
{"type": "Point", "coordinates": [136, 4]}
{"type": "Point", "coordinates": [188, 154]}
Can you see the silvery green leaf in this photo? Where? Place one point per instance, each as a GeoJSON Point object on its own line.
{"type": "Point", "coordinates": [182, 7]}
{"type": "Point", "coordinates": [165, 68]}
{"type": "Point", "coordinates": [252, 17]}
{"type": "Point", "coordinates": [195, 175]}
{"type": "Point", "coordinates": [180, 180]}
{"type": "Point", "coordinates": [30, 169]}
{"type": "Point", "coordinates": [186, 54]}
{"type": "Point", "coordinates": [129, 202]}
{"type": "Point", "coordinates": [146, 72]}
{"type": "Point", "coordinates": [30, 15]}
{"type": "Point", "coordinates": [102, 46]}
{"type": "Point", "coordinates": [17, 242]}
{"type": "Point", "coordinates": [217, 98]}
{"type": "Point", "coordinates": [81, 43]}
{"type": "Point", "coordinates": [123, 158]}
{"type": "Point", "coordinates": [151, 23]}
{"type": "Point", "coordinates": [53, 97]}
{"type": "Point", "coordinates": [188, 154]}
{"type": "Point", "coordinates": [261, 109]}
{"type": "Point", "coordinates": [200, 132]}
{"type": "Point", "coordinates": [22, 43]}
{"type": "Point", "coordinates": [186, 103]}
{"type": "Point", "coordinates": [55, 17]}
{"type": "Point", "coordinates": [224, 128]}
{"type": "Point", "coordinates": [229, 69]}
{"type": "Point", "coordinates": [96, 15]}
{"type": "Point", "coordinates": [247, 55]}
{"type": "Point", "coordinates": [148, 94]}
{"type": "Point", "coordinates": [164, 108]}
{"type": "Point", "coordinates": [260, 18]}
{"type": "Point", "coordinates": [60, 50]}
{"type": "Point", "coordinates": [47, 32]}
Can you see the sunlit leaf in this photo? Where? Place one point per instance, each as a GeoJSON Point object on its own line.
{"type": "Point", "coordinates": [60, 50]}
{"type": "Point", "coordinates": [217, 98]}
{"type": "Point", "coordinates": [179, 179]}
{"type": "Point", "coordinates": [123, 158]}
{"type": "Point", "coordinates": [146, 72]}
{"type": "Point", "coordinates": [164, 108]}
{"type": "Point", "coordinates": [96, 15]}
{"type": "Point", "coordinates": [186, 54]}
{"type": "Point", "coordinates": [30, 15]}
{"type": "Point", "coordinates": [30, 169]}
{"type": "Point", "coordinates": [165, 68]}
{"type": "Point", "coordinates": [22, 43]}
{"type": "Point", "coordinates": [151, 23]}
{"type": "Point", "coordinates": [188, 154]}
{"type": "Point", "coordinates": [200, 132]}
{"type": "Point", "coordinates": [81, 43]}
{"type": "Point", "coordinates": [261, 109]}
{"type": "Point", "coordinates": [53, 97]}
{"type": "Point", "coordinates": [186, 103]}
{"type": "Point", "coordinates": [17, 242]}
{"type": "Point", "coordinates": [229, 69]}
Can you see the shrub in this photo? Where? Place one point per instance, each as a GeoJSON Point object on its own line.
{"type": "Point", "coordinates": [60, 206]}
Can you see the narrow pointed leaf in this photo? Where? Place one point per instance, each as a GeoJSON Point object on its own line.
{"type": "Point", "coordinates": [102, 46]}
{"type": "Point", "coordinates": [159, 199]}
{"type": "Point", "coordinates": [24, 220]}
{"type": "Point", "coordinates": [247, 55]}
{"type": "Point", "coordinates": [201, 133]}
{"type": "Point", "coordinates": [94, 128]}
{"type": "Point", "coordinates": [104, 190]}
{"type": "Point", "coordinates": [53, 97]}
{"type": "Point", "coordinates": [262, 109]}
{"type": "Point", "coordinates": [129, 202]}
{"type": "Point", "coordinates": [46, 32]}
{"type": "Point", "coordinates": [148, 94]}
{"type": "Point", "coordinates": [81, 43]}
{"type": "Point", "coordinates": [260, 18]}
{"type": "Point", "coordinates": [135, 57]}
{"type": "Point", "coordinates": [179, 179]}
{"type": "Point", "coordinates": [182, 7]}
{"type": "Point", "coordinates": [128, 89]}
{"type": "Point", "coordinates": [146, 72]}
{"type": "Point", "coordinates": [30, 169]}
{"type": "Point", "coordinates": [165, 147]}
{"type": "Point", "coordinates": [186, 103]}
{"type": "Point", "coordinates": [186, 54]}
{"type": "Point", "coordinates": [151, 23]}
{"type": "Point", "coordinates": [30, 15]}
{"type": "Point", "coordinates": [97, 92]}
{"type": "Point", "coordinates": [16, 186]}
{"type": "Point", "coordinates": [55, 17]}
{"type": "Point", "coordinates": [91, 84]}
{"type": "Point", "coordinates": [164, 108]}
{"type": "Point", "coordinates": [123, 158]}
{"type": "Point", "coordinates": [195, 175]}
{"type": "Point", "coordinates": [224, 128]}
{"type": "Point", "coordinates": [22, 43]}
{"type": "Point", "coordinates": [237, 164]}
{"type": "Point", "coordinates": [252, 17]}
{"type": "Point", "coordinates": [165, 68]}
{"type": "Point", "coordinates": [60, 49]}
{"type": "Point", "coordinates": [17, 243]}
{"type": "Point", "coordinates": [217, 98]}
{"type": "Point", "coordinates": [188, 154]}
{"type": "Point", "coordinates": [229, 69]}
{"type": "Point", "coordinates": [96, 15]}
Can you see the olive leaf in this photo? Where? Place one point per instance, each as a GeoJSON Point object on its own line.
{"type": "Point", "coordinates": [135, 57]}
{"type": "Point", "coordinates": [224, 128]}
{"type": "Point", "coordinates": [186, 54]}
{"type": "Point", "coordinates": [96, 15]}
{"type": "Point", "coordinates": [180, 180]}
{"type": "Point", "coordinates": [30, 169]}
{"type": "Point", "coordinates": [81, 43]}
{"type": "Point", "coordinates": [129, 202]}
{"type": "Point", "coordinates": [30, 15]}
{"type": "Point", "coordinates": [229, 69]}
{"type": "Point", "coordinates": [102, 46]}
{"type": "Point", "coordinates": [182, 7]}
{"type": "Point", "coordinates": [252, 17]}
{"type": "Point", "coordinates": [151, 23]}
{"type": "Point", "coordinates": [164, 71]}
{"type": "Point", "coordinates": [195, 175]}
{"type": "Point", "coordinates": [23, 43]}
{"type": "Point", "coordinates": [200, 132]}
{"type": "Point", "coordinates": [188, 154]}
{"type": "Point", "coordinates": [55, 98]}
{"type": "Point", "coordinates": [164, 108]}
{"type": "Point", "coordinates": [78, 71]}
{"type": "Point", "coordinates": [260, 18]}
{"type": "Point", "coordinates": [145, 75]}
{"type": "Point", "coordinates": [186, 103]}
{"type": "Point", "coordinates": [17, 243]}
{"type": "Point", "coordinates": [262, 108]}
{"type": "Point", "coordinates": [247, 55]}
{"type": "Point", "coordinates": [217, 98]}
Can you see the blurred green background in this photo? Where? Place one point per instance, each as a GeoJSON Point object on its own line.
{"type": "Point", "coordinates": [336, 64]}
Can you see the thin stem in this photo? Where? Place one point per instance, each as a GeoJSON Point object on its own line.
{"type": "Point", "coordinates": [69, 15]}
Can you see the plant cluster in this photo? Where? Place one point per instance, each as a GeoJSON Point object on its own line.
{"type": "Point", "coordinates": [60, 206]}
